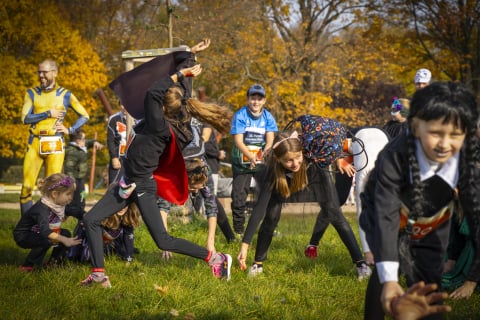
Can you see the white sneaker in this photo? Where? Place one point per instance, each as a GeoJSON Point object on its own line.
{"type": "Point", "coordinates": [364, 271]}
{"type": "Point", "coordinates": [255, 270]}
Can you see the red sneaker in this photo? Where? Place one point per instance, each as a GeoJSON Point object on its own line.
{"type": "Point", "coordinates": [311, 251]}
{"type": "Point", "coordinates": [25, 268]}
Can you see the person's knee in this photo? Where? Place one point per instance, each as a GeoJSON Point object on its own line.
{"type": "Point", "coordinates": [90, 220]}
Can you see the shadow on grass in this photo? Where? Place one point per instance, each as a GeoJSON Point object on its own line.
{"type": "Point", "coordinates": [12, 256]}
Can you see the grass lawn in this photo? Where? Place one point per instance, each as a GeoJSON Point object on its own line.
{"type": "Point", "coordinates": [292, 286]}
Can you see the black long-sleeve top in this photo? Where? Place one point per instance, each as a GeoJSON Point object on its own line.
{"type": "Point", "coordinates": [113, 136]}
{"type": "Point", "coordinates": [37, 219]}
{"type": "Point", "coordinates": [212, 152]}
{"type": "Point", "coordinates": [144, 151]}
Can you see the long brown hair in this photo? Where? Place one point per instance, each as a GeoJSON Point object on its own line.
{"type": "Point", "coordinates": [217, 116]}
{"type": "Point", "coordinates": [284, 142]}
{"type": "Point", "coordinates": [130, 218]}
{"type": "Point", "coordinates": [197, 171]}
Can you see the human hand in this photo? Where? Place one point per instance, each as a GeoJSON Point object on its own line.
{"type": "Point", "coordinates": [211, 245]}
{"type": "Point", "coordinates": [391, 290]}
{"type": "Point", "coordinates": [70, 242]}
{"type": "Point", "coordinates": [59, 127]}
{"type": "Point", "coordinates": [221, 154]}
{"type": "Point", "coordinates": [166, 255]}
{"type": "Point", "coordinates": [253, 162]}
{"type": "Point", "coordinates": [57, 113]}
{"type": "Point", "coordinates": [116, 164]}
{"type": "Point", "coordinates": [345, 168]}
{"type": "Point", "coordinates": [98, 145]}
{"type": "Point", "coordinates": [192, 71]}
{"type": "Point", "coordinates": [369, 259]}
{"type": "Point", "coordinates": [202, 45]}
{"type": "Point", "coordinates": [242, 256]}
{"type": "Point", "coordinates": [465, 291]}
{"type": "Point", "coordinates": [418, 302]}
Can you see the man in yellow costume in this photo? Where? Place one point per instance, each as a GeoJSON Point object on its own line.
{"type": "Point", "coordinates": [44, 109]}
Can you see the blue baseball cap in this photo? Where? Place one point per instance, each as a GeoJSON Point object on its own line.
{"type": "Point", "coordinates": [256, 89]}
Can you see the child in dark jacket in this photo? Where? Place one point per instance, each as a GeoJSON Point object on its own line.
{"type": "Point", "coordinates": [408, 199]}
{"type": "Point", "coordinates": [118, 236]}
{"type": "Point", "coordinates": [76, 164]}
{"type": "Point", "coordinates": [40, 227]}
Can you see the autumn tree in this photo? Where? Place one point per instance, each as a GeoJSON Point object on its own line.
{"type": "Point", "coordinates": [448, 33]}
{"type": "Point", "coordinates": [343, 59]}
{"type": "Point", "coordinates": [114, 26]}
{"type": "Point", "coordinates": [31, 32]}
{"type": "Point", "coordinates": [319, 57]}
{"type": "Point", "coordinates": [259, 41]}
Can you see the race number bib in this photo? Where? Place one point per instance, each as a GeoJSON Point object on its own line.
{"type": "Point", "coordinates": [122, 148]}
{"type": "Point", "coordinates": [51, 145]}
{"type": "Point", "coordinates": [255, 150]}
{"type": "Point", "coordinates": [122, 131]}
{"type": "Point", "coordinates": [254, 139]}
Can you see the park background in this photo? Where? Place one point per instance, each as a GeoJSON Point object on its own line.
{"type": "Point", "coordinates": [342, 59]}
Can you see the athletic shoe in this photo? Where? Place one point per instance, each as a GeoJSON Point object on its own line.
{"type": "Point", "coordinates": [125, 190]}
{"type": "Point", "coordinates": [25, 268]}
{"type": "Point", "coordinates": [311, 251]}
{"type": "Point", "coordinates": [104, 281]}
{"type": "Point", "coordinates": [363, 270]}
{"type": "Point", "coordinates": [255, 270]}
{"type": "Point", "coordinates": [221, 270]}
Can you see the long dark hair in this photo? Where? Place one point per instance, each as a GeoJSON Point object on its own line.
{"type": "Point", "coordinates": [455, 104]}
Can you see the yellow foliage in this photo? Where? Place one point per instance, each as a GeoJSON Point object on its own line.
{"type": "Point", "coordinates": [25, 44]}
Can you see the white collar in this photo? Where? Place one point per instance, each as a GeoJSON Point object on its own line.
{"type": "Point", "coordinates": [448, 171]}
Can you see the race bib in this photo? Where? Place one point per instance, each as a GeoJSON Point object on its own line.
{"type": "Point", "coordinates": [51, 145]}
{"type": "Point", "coordinates": [122, 131]}
{"type": "Point", "coordinates": [255, 150]}
{"type": "Point", "coordinates": [122, 148]}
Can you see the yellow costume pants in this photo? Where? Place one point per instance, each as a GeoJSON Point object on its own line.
{"type": "Point", "coordinates": [32, 164]}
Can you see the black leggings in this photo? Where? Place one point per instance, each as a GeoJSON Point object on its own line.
{"type": "Point", "coordinates": [330, 213]}
{"type": "Point", "coordinates": [267, 229]}
{"type": "Point", "coordinates": [40, 246]}
{"type": "Point", "coordinates": [146, 199]}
